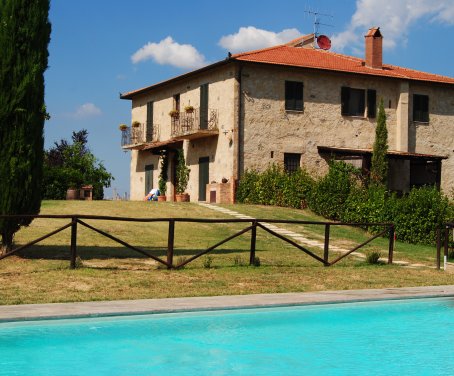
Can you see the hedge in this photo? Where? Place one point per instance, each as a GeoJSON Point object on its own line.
{"type": "Point", "coordinates": [342, 195]}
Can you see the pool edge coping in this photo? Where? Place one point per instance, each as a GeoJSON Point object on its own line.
{"type": "Point", "coordinates": [26, 312]}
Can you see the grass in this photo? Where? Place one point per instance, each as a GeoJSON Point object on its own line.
{"type": "Point", "coordinates": [108, 271]}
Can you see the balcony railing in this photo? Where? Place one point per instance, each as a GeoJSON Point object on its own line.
{"type": "Point", "coordinates": [195, 124]}
{"type": "Point", "coordinates": [139, 135]}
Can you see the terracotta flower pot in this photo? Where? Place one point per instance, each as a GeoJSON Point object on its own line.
{"type": "Point", "coordinates": [162, 198]}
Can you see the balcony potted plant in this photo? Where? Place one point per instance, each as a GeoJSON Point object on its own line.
{"type": "Point", "coordinates": [163, 178]}
{"type": "Point", "coordinates": [135, 124]}
{"type": "Point", "coordinates": [189, 109]}
{"type": "Point", "coordinates": [122, 127]}
{"type": "Point", "coordinates": [182, 172]}
{"type": "Point", "coordinates": [174, 113]}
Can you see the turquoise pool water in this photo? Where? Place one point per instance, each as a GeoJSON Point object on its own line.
{"type": "Point", "coordinates": [412, 337]}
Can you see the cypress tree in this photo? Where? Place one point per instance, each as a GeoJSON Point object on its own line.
{"type": "Point", "coordinates": [379, 168]}
{"type": "Point", "coordinates": [24, 37]}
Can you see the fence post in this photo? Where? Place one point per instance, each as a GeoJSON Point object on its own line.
{"type": "Point", "coordinates": [391, 244]}
{"type": "Point", "coordinates": [253, 240]}
{"type": "Point", "coordinates": [438, 248]}
{"type": "Point", "coordinates": [73, 255]}
{"type": "Point", "coordinates": [170, 243]}
{"type": "Point", "coordinates": [445, 258]}
{"type": "Point", "coordinates": [326, 247]}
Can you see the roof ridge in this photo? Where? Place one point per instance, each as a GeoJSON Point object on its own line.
{"type": "Point", "coordinates": [241, 54]}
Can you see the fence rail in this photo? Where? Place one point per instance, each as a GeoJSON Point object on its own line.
{"type": "Point", "coordinates": [253, 224]}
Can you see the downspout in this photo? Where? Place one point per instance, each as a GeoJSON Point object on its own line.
{"type": "Point", "coordinates": [240, 147]}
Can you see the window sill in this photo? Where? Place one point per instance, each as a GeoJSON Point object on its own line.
{"type": "Point", "coordinates": [420, 122]}
{"type": "Point", "coordinates": [295, 111]}
{"type": "Point", "coordinates": [355, 117]}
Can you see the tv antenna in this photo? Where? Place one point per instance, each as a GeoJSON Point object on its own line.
{"type": "Point", "coordinates": [323, 41]}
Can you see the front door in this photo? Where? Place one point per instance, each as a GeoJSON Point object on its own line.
{"type": "Point", "coordinates": [204, 174]}
{"type": "Point", "coordinates": [148, 178]}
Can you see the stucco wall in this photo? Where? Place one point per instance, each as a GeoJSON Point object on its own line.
{"type": "Point", "coordinates": [218, 148]}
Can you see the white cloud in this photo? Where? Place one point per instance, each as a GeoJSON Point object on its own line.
{"type": "Point", "coordinates": [87, 110]}
{"type": "Point", "coordinates": [167, 51]}
{"type": "Point", "coordinates": [394, 17]}
{"type": "Point", "coordinates": [251, 38]}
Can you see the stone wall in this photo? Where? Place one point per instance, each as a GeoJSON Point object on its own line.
{"type": "Point", "coordinates": [270, 130]}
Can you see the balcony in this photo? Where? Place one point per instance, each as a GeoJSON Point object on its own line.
{"type": "Point", "coordinates": [138, 137]}
{"type": "Point", "coordinates": [194, 125]}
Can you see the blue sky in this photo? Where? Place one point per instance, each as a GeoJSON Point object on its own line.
{"type": "Point", "coordinates": [100, 48]}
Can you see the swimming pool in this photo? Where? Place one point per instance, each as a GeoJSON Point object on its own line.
{"type": "Point", "coordinates": [376, 338]}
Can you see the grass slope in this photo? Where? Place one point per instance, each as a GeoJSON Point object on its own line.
{"type": "Point", "coordinates": [109, 271]}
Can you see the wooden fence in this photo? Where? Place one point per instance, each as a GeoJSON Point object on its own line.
{"type": "Point", "coordinates": [252, 225]}
{"type": "Point", "coordinates": [443, 236]}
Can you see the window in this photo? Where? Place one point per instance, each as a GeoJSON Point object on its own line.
{"type": "Point", "coordinates": [293, 96]}
{"type": "Point", "coordinates": [291, 162]}
{"type": "Point", "coordinates": [353, 102]}
{"type": "Point", "coordinates": [421, 108]}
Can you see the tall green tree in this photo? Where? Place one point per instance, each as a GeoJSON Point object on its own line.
{"type": "Point", "coordinates": [24, 38]}
{"type": "Point", "coordinates": [379, 167]}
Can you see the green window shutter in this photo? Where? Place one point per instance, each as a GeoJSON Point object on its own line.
{"type": "Point", "coordinates": [204, 106]}
{"type": "Point", "coordinates": [149, 130]}
{"type": "Point", "coordinates": [371, 103]}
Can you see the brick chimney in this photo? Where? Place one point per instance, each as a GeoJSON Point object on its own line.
{"type": "Point", "coordinates": [374, 51]}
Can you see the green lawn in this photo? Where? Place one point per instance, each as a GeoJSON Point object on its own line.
{"type": "Point", "coordinates": [109, 271]}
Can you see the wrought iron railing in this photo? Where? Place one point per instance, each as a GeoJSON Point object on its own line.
{"type": "Point", "coordinates": [191, 122]}
{"type": "Point", "coordinates": [140, 134]}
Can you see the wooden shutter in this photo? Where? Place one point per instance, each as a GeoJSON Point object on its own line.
{"type": "Point", "coordinates": [149, 130]}
{"type": "Point", "coordinates": [371, 103]}
{"type": "Point", "coordinates": [294, 96]}
{"type": "Point", "coordinates": [204, 106]}
{"type": "Point", "coordinates": [345, 97]}
{"type": "Point", "coordinates": [298, 96]}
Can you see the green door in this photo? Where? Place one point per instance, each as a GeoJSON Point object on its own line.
{"type": "Point", "coordinates": [204, 106]}
{"type": "Point", "coordinates": [148, 178]}
{"type": "Point", "coordinates": [204, 174]}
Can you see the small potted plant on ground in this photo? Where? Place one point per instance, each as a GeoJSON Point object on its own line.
{"type": "Point", "coordinates": [182, 172]}
{"type": "Point", "coordinates": [189, 109]}
{"type": "Point", "coordinates": [163, 178]}
{"type": "Point", "coordinates": [174, 113]}
{"type": "Point", "coordinates": [123, 127]}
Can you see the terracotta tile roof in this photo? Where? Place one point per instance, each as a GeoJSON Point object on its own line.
{"type": "Point", "coordinates": [327, 60]}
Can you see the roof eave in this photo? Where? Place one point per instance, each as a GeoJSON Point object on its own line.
{"type": "Point", "coordinates": [132, 94]}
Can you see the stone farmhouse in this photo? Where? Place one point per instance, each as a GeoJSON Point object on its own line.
{"type": "Point", "coordinates": [293, 105]}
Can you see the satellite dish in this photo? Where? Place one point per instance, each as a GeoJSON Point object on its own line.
{"type": "Point", "coordinates": [324, 42]}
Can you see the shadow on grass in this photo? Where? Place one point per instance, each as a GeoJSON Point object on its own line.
{"type": "Point", "coordinates": [87, 253]}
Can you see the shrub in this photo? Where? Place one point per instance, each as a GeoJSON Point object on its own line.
{"type": "Point", "coordinates": [274, 186]}
{"type": "Point", "coordinates": [332, 191]}
{"type": "Point", "coordinates": [418, 214]}
{"type": "Point", "coordinates": [373, 257]}
{"type": "Point", "coordinates": [207, 262]}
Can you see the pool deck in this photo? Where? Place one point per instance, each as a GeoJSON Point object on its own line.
{"type": "Point", "coordinates": [143, 306]}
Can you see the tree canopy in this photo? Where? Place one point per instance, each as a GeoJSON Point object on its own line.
{"type": "Point", "coordinates": [379, 168]}
{"type": "Point", "coordinates": [72, 165]}
{"type": "Point", "coordinates": [24, 38]}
